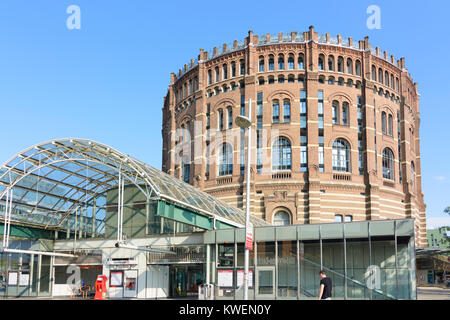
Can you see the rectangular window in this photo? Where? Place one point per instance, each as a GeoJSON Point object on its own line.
{"type": "Point", "coordinates": [287, 111]}
{"type": "Point", "coordinates": [209, 77]}
{"type": "Point", "coordinates": [242, 105]}
{"type": "Point", "coordinates": [320, 96]}
{"type": "Point", "coordinates": [259, 127]}
{"type": "Point", "coordinates": [275, 112]}
{"type": "Point", "coordinates": [230, 118]}
{"type": "Point", "coordinates": [303, 158]}
{"type": "Point", "coordinates": [242, 67]}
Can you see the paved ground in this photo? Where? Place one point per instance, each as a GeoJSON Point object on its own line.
{"type": "Point", "coordinates": [431, 293]}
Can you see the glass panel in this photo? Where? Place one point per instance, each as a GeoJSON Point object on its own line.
{"type": "Point", "coordinates": [225, 235]}
{"type": "Point", "coordinates": [308, 232]}
{"type": "Point", "coordinates": [44, 281]}
{"type": "Point", "coordinates": [333, 263]}
{"type": "Point", "coordinates": [286, 233]}
{"type": "Point", "coordinates": [240, 256]}
{"type": "Point", "coordinates": [357, 268]}
{"type": "Point", "coordinates": [405, 272]}
{"type": "Point", "coordinates": [287, 269]}
{"type": "Point", "coordinates": [356, 230]}
{"type": "Point", "coordinates": [381, 228]}
{"type": "Point", "coordinates": [225, 255]}
{"type": "Point", "coordinates": [405, 227]}
{"type": "Point", "coordinates": [265, 282]}
{"type": "Point", "coordinates": [265, 254]}
{"type": "Point", "coordinates": [265, 234]}
{"type": "Point", "coordinates": [310, 266]}
{"type": "Point", "coordinates": [331, 231]}
{"type": "Point", "coordinates": [383, 262]}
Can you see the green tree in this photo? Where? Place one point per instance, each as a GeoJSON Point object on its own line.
{"type": "Point", "coordinates": [447, 210]}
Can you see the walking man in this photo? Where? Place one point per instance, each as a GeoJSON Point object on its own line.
{"type": "Point", "coordinates": [325, 286]}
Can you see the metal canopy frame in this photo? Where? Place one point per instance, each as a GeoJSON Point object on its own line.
{"type": "Point", "coordinates": [52, 184]}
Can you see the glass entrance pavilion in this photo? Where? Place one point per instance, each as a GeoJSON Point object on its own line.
{"type": "Point", "coordinates": [72, 209]}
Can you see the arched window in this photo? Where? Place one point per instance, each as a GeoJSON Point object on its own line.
{"type": "Point", "coordinates": [271, 80]}
{"type": "Point", "coordinates": [349, 83]}
{"type": "Point", "coordinates": [383, 122]}
{"type": "Point", "coordinates": [224, 88]}
{"type": "Point", "coordinates": [275, 111]}
{"type": "Point", "coordinates": [209, 77]}
{"type": "Point", "coordinates": [281, 218]}
{"type": "Point", "coordinates": [286, 110]}
{"type": "Point", "coordinates": [331, 63]}
{"type": "Point", "coordinates": [281, 62]}
{"type": "Point", "coordinates": [335, 112]}
{"type": "Point", "coordinates": [341, 81]}
{"type": "Point", "coordinates": [233, 69]}
{"type": "Point", "coordinates": [225, 160]}
{"type": "Point", "coordinates": [186, 169]}
{"type": "Point", "coordinates": [338, 218]}
{"type": "Point", "coordinates": [281, 79]}
{"type": "Point", "coordinates": [388, 164]}
{"type": "Point", "coordinates": [386, 79]}
{"type": "Point", "coordinates": [358, 68]}
{"type": "Point", "coordinates": [392, 82]}
{"type": "Point", "coordinates": [374, 73]}
{"type": "Point", "coordinates": [321, 62]}
{"type": "Point", "coordinates": [397, 84]}
{"type": "Point", "coordinates": [225, 71]}
{"type": "Point", "coordinates": [242, 67]}
{"type": "Point", "coordinates": [220, 119]}
{"type": "Point", "coordinates": [281, 155]}
{"type": "Point", "coordinates": [331, 80]}
{"type": "Point", "coordinates": [301, 63]}
{"type": "Point", "coordinates": [261, 64]}
{"type": "Point", "coordinates": [261, 80]}
{"type": "Point", "coordinates": [413, 177]}
{"type": "Point", "coordinates": [291, 62]}
{"type": "Point", "coordinates": [380, 75]}
{"type": "Point", "coordinates": [271, 62]}
{"type": "Point", "coordinates": [340, 64]}
{"type": "Point", "coordinates": [291, 78]}
{"type": "Point", "coordinates": [345, 111]}
{"type": "Point", "coordinates": [217, 74]}
{"type": "Point", "coordinates": [390, 125]}
{"type": "Point", "coordinates": [341, 156]}
{"type": "Point", "coordinates": [349, 66]}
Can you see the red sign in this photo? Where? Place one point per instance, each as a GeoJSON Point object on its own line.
{"type": "Point", "coordinates": [249, 239]}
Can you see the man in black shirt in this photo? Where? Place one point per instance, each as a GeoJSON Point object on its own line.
{"type": "Point", "coordinates": [325, 286]}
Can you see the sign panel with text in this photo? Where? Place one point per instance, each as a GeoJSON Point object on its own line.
{"type": "Point", "coordinates": [249, 238]}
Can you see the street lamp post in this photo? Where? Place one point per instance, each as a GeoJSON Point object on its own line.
{"type": "Point", "coordinates": [245, 122]}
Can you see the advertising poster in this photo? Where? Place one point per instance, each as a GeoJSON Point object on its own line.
{"type": "Point", "coordinates": [12, 278]}
{"type": "Point", "coordinates": [225, 278]}
{"type": "Point", "coordinates": [116, 278]}
{"type": "Point", "coordinates": [24, 279]}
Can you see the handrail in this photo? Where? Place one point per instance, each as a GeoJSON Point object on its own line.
{"type": "Point", "coordinates": [352, 280]}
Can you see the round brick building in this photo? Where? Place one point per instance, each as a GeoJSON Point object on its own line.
{"type": "Point", "coordinates": [335, 129]}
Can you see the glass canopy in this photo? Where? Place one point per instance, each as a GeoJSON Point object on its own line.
{"type": "Point", "coordinates": [57, 182]}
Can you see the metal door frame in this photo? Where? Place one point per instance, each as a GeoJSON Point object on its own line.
{"type": "Point", "coordinates": [265, 268]}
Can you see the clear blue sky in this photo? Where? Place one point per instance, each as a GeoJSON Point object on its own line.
{"type": "Point", "coordinates": [107, 81]}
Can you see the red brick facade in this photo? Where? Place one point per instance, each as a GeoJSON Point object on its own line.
{"type": "Point", "coordinates": [349, 75]}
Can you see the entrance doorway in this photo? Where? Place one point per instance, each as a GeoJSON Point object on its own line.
{"type": "Point", "coordinates": [265, 282]}
{"type": "Point", "coordinates": [185, 279]}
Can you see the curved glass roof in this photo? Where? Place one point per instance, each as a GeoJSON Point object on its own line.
{"type": "Point", "coordinates": [53, 181]}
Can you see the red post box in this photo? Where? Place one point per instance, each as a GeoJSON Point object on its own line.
{"type": "Point", "coordinates": [100, 287]}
